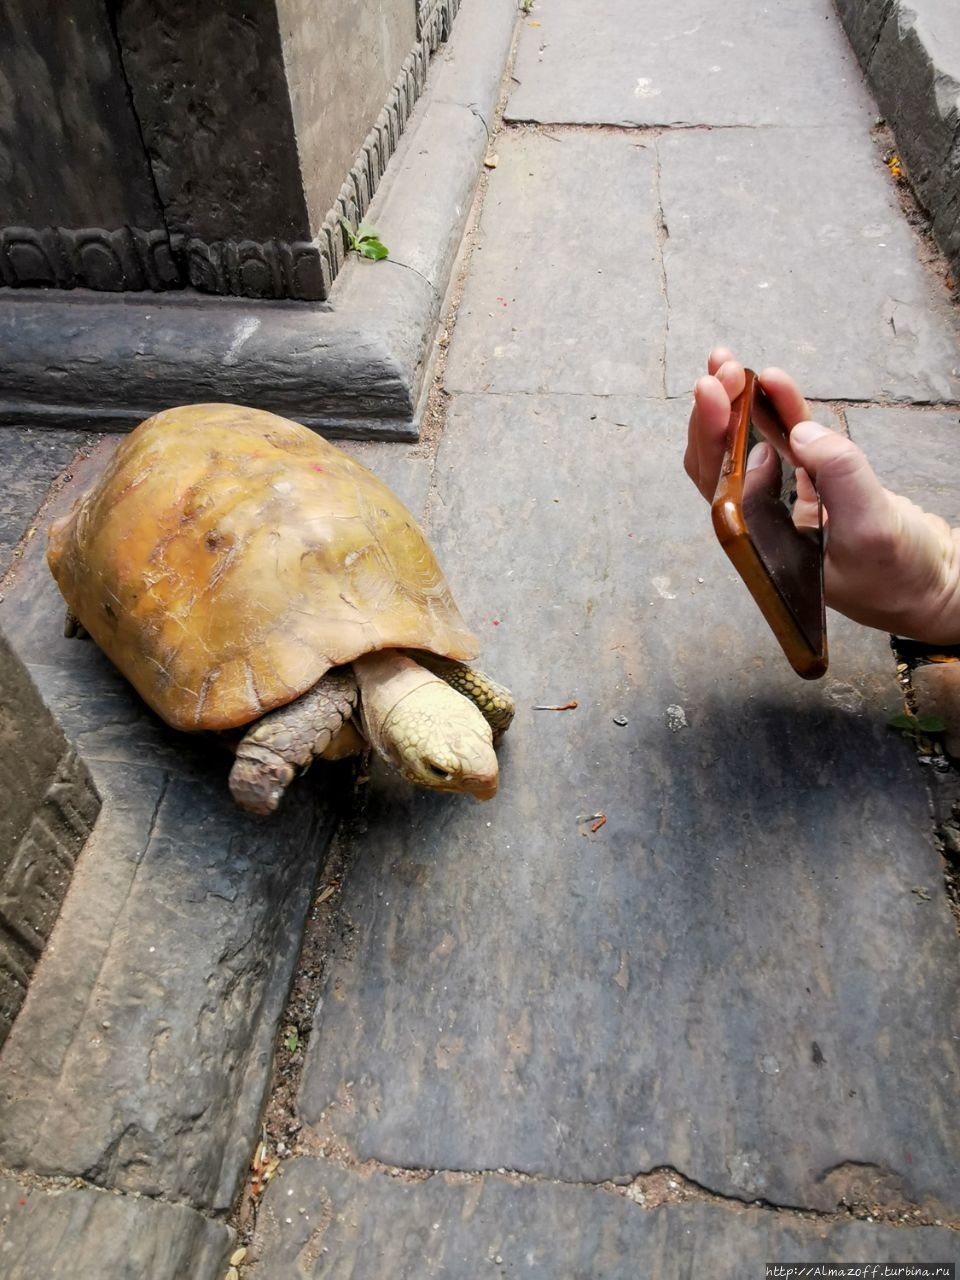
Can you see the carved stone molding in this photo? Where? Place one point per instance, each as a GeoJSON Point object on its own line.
{"type": "Point", "coordinates": [87, 257]}
{"type": "Point", "coordinates": [136, 259]}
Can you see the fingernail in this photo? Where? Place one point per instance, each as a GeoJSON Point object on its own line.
{"type": "Point", "coordinates": [807, 432]}
{"type": "Point", "coordinates": [757, 456]}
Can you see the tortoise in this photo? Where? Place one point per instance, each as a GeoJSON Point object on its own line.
{"type": "Point", "coordinates": [250, 578]}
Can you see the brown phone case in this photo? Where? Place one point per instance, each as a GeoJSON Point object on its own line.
{"type": "Point", "coordinates": [781, 565]}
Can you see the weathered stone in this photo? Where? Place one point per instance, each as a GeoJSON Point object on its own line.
{"type": "Point", "coordinates": [523, 991]}
{"type": "Point", "coordinates": [141, 1055]}
{"type": "Point", "coordinates": [82, 1234]}
{"type": "Point", "coordinates": [607, 336]}
{"type": "Point", "coordinates": [911, 55]}
{"type": "Point", "coordinates": [319, 1220]}
{"type": "Point", "coordinates": [191, 74]}
{"type": "Point", "coordinates": [793, 243]}
{"type": "Point", "coordinates": [66, 111]}
{"type": "Point", "coordinates": [916, 452]}
{"type": "Point", "coordinates": [673, 66]}
{"type": "Point", "coordinates": [863, 21]}
{"type": "Point", "coordinates": [29, 463]}
{"type": "Point", "coordinates": [50, 808]}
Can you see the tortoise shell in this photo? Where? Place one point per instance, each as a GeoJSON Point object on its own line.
{"type": "Point", "coordinates": [227, 558]}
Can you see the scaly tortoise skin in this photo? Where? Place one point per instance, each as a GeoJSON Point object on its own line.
{"type": "Point", "coordinates": [227, 560]}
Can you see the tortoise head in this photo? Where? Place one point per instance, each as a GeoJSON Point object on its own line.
{"type": "Point", "coordinates": [438, 739]}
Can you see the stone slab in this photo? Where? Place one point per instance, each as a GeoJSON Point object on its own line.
{"type": "Point", "coordinates": [67, 1233]}
{"type": "Point", "coordinates": [222, 83]}
{"type": "Point", "coordinates": [731, 975]}
{"type": "Point", "coordinates": [319, 1220]}
{"type": "Point", "coordinates": [50, 808]}
{"type": "Point", "coordinates": [829, 287]}
{"type": "Point", "coordinates": [66, 110]}
{"type": "Point", "coordinates": [355, 366]}
{"type": "Point", "coordinates": [560, 299]}
{"type": "Point", "coordinates": [911, 55]}
{"type": "Point", "coordinates": [30, 461]}
{"type": "Point", "coordinates": [141, 1056]}
{"type": "Point", "coordinates": [637, 62]}
{"type": "Point", "coordinates": [915, 452]}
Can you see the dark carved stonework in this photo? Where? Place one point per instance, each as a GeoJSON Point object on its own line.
{"type": "Point", "coordinates": [91, 257]}
{"type": "Point", "coordinates": [134, 258]}
{"type": "Point", "coordinates": [247, 269]}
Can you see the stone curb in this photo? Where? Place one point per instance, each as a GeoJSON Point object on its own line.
{"type": "Point", "coordinates": [92, 1235]}
{"type": "Point", "coordinates": [353, 366]}
{"type": "Point", "coordinates": [910, 54]}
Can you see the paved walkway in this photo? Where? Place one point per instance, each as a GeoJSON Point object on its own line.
{"type": "Point", "coordinates": [747, 976]}
{"type": "Point", "coordinates": [715, 1030]}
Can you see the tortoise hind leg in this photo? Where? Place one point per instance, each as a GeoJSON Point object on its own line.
{"type": "Point", "coordinates": [492, 699]}
{"type": "Point", "coordinates": [284, 740]}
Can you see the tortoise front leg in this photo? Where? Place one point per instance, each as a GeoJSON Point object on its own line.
{"type": "Point", "coordinates": [284, 740]}
{"type": "Point", "coordinates": [493, 700]}
{"type": "Point", "coordinates": [73, 628]}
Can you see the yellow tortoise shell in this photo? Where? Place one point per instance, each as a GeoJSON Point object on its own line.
{"type": "Point", "coordinates": [227, 558]}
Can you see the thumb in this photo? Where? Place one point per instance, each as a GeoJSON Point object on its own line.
{"type": "Point", "coordinates": [847, 484]}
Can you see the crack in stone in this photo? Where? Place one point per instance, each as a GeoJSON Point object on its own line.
{"type": "Point", "coordinates": [662, 236]}
{"type": "Point", "coordinates": [649, 1189]}
{"type": "Point", "coordinates": [406, 265]}
{"type": "Point", "coordinates": [32, 1181]}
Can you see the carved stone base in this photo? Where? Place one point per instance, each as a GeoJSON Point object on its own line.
{"type": "Point", "coordinates": [355, 365]}
{"type": "Point", "coordinates": [132, 259]}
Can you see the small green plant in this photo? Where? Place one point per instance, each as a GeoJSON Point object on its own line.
{"type": "Point", "coordinates": [292, 1039]}
{"type": "Point", "coordinates": [917, 727]}
{"type": "Point", "coordinates": [365, 241]}
{"type": "Point", "coordinates": [526, 6]}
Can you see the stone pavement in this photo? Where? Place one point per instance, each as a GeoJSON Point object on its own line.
{"type": "Point", "coordinates": [718, 1029]}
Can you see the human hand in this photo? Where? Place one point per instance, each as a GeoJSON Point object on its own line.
{"type": "Point", "coordinates": [888, 564]}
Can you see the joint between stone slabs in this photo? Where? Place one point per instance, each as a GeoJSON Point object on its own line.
{"type": "Point", "coordinates": [31, 1181]}
{"type": "Point", "coordinates": [656, 130]}
{"type": "Point", "coordinates": [649, 1190]}
{"type": "Point", "coordinates": [662, 236]}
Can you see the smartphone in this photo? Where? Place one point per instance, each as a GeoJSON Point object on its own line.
{"type": "Point", "coordinates": [781, 564]}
